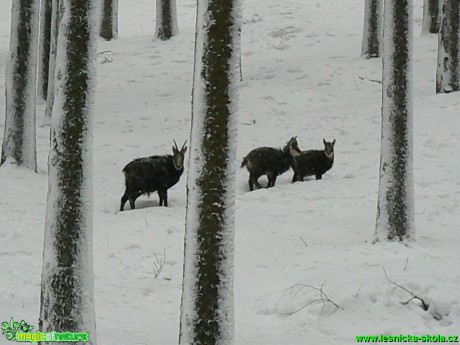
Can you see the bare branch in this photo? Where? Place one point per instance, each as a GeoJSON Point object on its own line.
{"type": "Point", "coordinates": [306, 245]}
{"type": "Point", "coordinates": [323, 297]}
{"type": "Point", "coordinates": [424, 305]}
{"type": "Point", "coordinates": [158, 264]}
{"type": "Point", "coordinates": [405, 266]}
{"type": "Point", "coordinates": [371, 80]}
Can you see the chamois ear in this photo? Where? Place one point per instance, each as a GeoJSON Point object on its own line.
{"type": "Point", "coordinates": [324, 141]}
{"type": "Point", "coordinates": [333, 142]}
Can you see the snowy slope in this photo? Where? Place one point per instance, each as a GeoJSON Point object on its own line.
{"type": "Point", "coordinates": [302, 76]}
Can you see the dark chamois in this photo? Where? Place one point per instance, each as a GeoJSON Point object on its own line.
{"type": "Point", "coordinates": [269, 161]}
{"type": "Point", "coordinates": [154, 173]}
{"type": "Point", "coordinates": [313, 162]}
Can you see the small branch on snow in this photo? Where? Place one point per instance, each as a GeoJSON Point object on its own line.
{"type": "Point", "coordinates": [323, 298]}
{"type": "Point", "coordinates": [306, 245]}
{"type": "Point", "coordinates": [158, 264]}
{"type": "Point", "coordinates": [405, 266]}
{"type": "Point", "coordinates": [104, 52]}
{"type": "Point", "coordinates": [371, 80]}
{"type": "Point", "coordinates": [424, 306]}
{"type": "Point", "coordinates": [105, 59]}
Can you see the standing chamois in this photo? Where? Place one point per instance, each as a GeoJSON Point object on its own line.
{"type": "Point", "coordinates": [313, 162]}
{"type": "Point", "coordinates": [154, 173]}
{"type": "Point", "coordinates": [269, 161]}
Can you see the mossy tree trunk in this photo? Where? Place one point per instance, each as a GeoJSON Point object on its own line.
{"type": "Point", "coordinates": [44, 48]}
{"type": "Point", "coordinates": [108, 28]}
{"type": "Point", "coordinates": [19, 143]}
{"type": "Point", "coordinates": [166, 19]}
{"type": "Point", "coordinates": [372, 32]}
{"type": "Point", "coordinates": [55, 18]}
{"type": "Point", "coordinates": [448, 71]}
{"type": "Point", "coordinates": [207, 297]}
{"type": "Point", "coordinates": [431, 16]}
{"type": "Point", "coordinates": [67, 288]}
{"type": "Point", "coordinates": [395, 216]}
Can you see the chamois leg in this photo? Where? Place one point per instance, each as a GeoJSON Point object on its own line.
{"type": "Point", "coordinates": [163, 195]}
{"type": "Point", "coordinates": [271, 180]}
{"type": "Point", "coordinates": [132, 199]}
{"type": "Point", "coordinates": [124, 199]}
{"type": "Point", "coordinates": [294, 178]}
{"type": "Point", "coordinates": [253, 179]}
{"type": "Point", "coordinates": [319, 176]}
{"type": "Point", "coordinates": [251, 184]}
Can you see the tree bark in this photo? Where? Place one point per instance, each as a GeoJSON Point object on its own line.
{"type": "Point", "coordinates": [431, 16]}
{"type": "Point", "coordinates": [55, 18]}
{"type": "Point", "coordinates": [166, 19]}
{"type": "Point", "coordinates": [372, 32]}
{"type": "Point", "coordinates": [44, 48]}
{"type": "Point", "coordinates": [448, 70]}
{"type": "Point", "coordinates": [19, 143]}
{"type": "Point", "coordinates": [108, 29]}
{"type": "Point", "coordinates": [67, 288]}
{"type": "Point", "coordinates": [395, 216]}
{"type": "Point", "coordinates": [207, 297]}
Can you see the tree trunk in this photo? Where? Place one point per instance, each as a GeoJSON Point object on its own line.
{"type": "Point", "coordinates": [55, 18]}
{"type": "Point", "coordinates": [448, 71]}
{"type": "Point", "coordinates": [207, 297]}
{"type": "Point", "coordinates": [431, 16]}
{"type": "Point", "coordinates": [166, 19]}
{"type": "Point", "coordinates": [395, 216]}
{"type": "Point", "coordinates": [44, 48]}
{"type": "Point", "coordinates": [67, 287]}
{"type": "Point", "coordinates": [372, 33]}
{"type": "Point", "coordinates": [108, 28]}
{"type": "Point", "coordinates": [19, 135]}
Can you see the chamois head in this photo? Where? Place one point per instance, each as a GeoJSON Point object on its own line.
{"type": "Point", "coordinates": [329, 148]}
{"type": "Point", "coordinates": [293, 147]}
{"type": "Point", "coordinates": [178, 155]}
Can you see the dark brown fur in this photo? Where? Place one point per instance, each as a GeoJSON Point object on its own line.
{"type": "Point", "coordinates": [313, 162]}
{"type": "Point", "coordinates": [153, 174]}
{"type": "Point", "coordinates": [268, 161]}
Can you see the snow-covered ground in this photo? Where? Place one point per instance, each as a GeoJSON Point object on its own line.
{"type": "Point", "coordinates": [303, 76]}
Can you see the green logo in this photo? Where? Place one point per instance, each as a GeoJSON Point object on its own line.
{"type": "Point", "coordinates": [21, 332]}
{"type": "Point", "coordinates": [9, 330]}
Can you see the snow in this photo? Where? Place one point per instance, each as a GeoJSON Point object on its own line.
{"type": "Point", "coordinates": [303, 75]}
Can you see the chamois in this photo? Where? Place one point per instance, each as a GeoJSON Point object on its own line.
{"type": "Point", "coordinates": [269, 161]}
{"type": "Point", "coordinates": [313, 162]}
{"type": "Point", "coordinates": [154, 173]}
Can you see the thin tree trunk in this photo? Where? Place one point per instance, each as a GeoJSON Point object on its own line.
{"type": "Point", "coordinates": [44, 48]}
{"type": "Point", "coordinates": [52, 61]}
{"type": "Point", "coordinates": [207, 297]}
{"type": "Point", "coordinates": [19, 135]}
{"type": "Point", "coordinates": [108, 29]}
{"type": "Point", "coordinates": [372, 32]}
{"type": "Point", "coordinates": [395, 216]}
{"type": "Point", "coordinates": [448, 71]}
{"type": "Point", "coordinates": [166, 19]}
{"type": "Point", "coordinates": [67, 288]}
{"type": "Point", "coordinates": [431, 16]}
